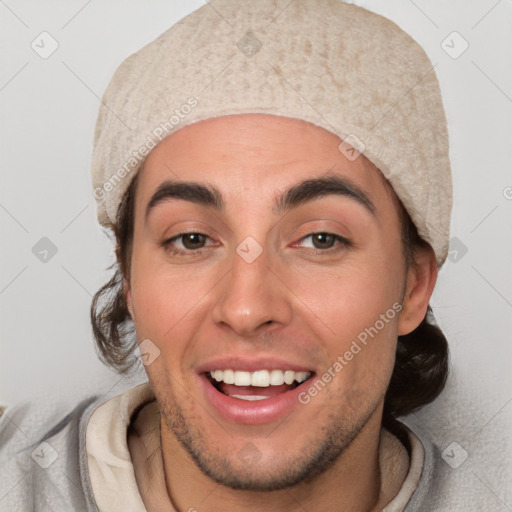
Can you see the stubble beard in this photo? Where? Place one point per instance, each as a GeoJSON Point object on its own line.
{"type": "Point", "coordinates": [324, 446]}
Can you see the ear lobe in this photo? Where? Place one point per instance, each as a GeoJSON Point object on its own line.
{"type": "Point", "coordinates": [421, 279]}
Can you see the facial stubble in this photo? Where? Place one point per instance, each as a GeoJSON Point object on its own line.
{"type": "Point", "coordinates": [324, 446]}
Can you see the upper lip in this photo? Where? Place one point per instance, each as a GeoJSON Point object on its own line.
{"type": "Point", "coordinates": [251, 364]}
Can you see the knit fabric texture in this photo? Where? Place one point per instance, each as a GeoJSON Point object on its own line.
{"type": "Point", "coordinates": [332, 64]}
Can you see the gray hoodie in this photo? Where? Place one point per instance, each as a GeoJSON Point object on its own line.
{"type": "Point", "coordinates": [43, 461]}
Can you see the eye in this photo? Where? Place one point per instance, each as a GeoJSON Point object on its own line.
{"type": "Point", "coordinates": [186, 242]}
{"type": "Point", "coordinates": [323, 241]}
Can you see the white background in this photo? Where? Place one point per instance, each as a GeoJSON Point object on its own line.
{"type": "Point", "coordinates": [48, 111]}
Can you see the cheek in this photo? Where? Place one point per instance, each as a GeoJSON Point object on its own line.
{"type": "Point", "coordinates": [362, 353]}
{"type": "Point", "coordinates": [354, 309]}
{"type": "Point", "coordinates": [167, 300]}
{"type": "Point", "coordinates": [349, 297]}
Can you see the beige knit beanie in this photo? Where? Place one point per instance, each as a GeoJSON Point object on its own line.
{"type": "Point", "coordinates": [338, 66]}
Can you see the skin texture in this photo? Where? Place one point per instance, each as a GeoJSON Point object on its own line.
{"type": "Point", "coordinates": [293, 302]}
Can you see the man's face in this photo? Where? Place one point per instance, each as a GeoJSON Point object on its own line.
{"type": "Point", "coordinates": [265, 281]}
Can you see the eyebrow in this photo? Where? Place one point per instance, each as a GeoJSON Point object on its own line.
{"type": "Point", "coordinates": [187, 191]}
{"type": "Point", "coordinates": [303, 192]}
{"type": "Point", "coordinates": [311, 189]}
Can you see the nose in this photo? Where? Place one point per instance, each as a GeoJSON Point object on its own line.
{"type": "Point", "coordinates": [252, 299]}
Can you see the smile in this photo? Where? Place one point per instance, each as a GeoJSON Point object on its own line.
{"type": "Point", "coordinates": [254, 397]}
{"type": "Point", "coordinates": [259, 379]}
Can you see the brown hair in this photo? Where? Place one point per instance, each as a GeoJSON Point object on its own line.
{"type": "Point", "coordinates": [421, 365]}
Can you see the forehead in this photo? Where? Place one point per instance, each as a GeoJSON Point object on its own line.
{"type": "Point", "coordinates": [256, 155]}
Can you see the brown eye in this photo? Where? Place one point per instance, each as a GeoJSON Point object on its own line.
{"type": "Point", "coordinates": [186, 243]}
{"type": "Point", "coordinates": [323, 240]}
{"type": "Point", "coordinates": [193, 240]}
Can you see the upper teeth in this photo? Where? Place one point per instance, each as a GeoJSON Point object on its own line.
{"type": "Point", "coordinates": [260, 378]}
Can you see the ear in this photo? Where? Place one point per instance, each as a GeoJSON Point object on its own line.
{"type": "Point", "coordinates": [421, 279]}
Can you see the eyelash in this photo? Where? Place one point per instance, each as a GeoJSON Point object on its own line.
{"type": "Point", "coordinates": [342, 243]}
{"type": "Point", "coordinates": [183, 252]}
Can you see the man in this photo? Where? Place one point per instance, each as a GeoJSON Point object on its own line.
{"type": "Point", "coordinates": [277, 179]}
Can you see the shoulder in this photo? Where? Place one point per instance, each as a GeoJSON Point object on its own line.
{"type": "Point", "coordinates": [448, 481]}
{"type": "Point", "coordinates": [39, 455]}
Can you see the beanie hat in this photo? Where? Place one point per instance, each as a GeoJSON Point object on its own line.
{"type": "Point", "coordinates": [333, 64]}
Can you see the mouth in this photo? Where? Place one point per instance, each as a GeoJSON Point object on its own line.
{"type": "Point", "coordinates": [258, 385]}
{"type": "Point", "coordinates": [256, 397]}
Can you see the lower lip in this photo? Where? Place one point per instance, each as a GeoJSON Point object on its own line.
{"type": "Point", "coordinates": [257, 412]}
